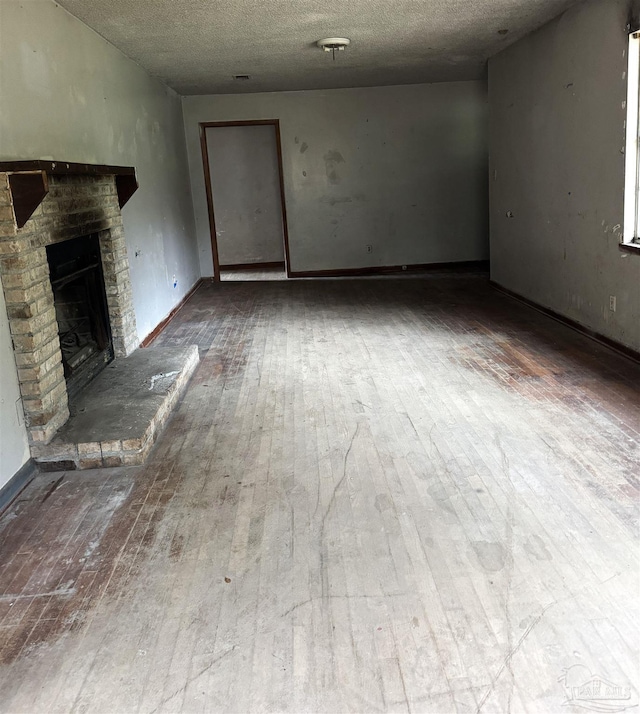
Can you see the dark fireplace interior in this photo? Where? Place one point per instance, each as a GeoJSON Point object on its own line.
{"type": "Point", "coordinates": [75, 268]}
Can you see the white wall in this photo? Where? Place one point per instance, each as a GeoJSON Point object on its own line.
{"type": "Point", "coordinates": [66, 94]}
{"type": "Point", "coordinates": [403, 169]}
{"type": "Point", "coordinates": [557, 133]}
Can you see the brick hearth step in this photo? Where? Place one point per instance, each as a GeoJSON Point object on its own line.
{"type": "Point", "coordinates": [117, 418]}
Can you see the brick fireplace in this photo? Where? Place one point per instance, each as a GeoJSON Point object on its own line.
{"type": "Point", "coordinates": [43, 204]}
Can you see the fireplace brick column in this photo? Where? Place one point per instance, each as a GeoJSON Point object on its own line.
{"type": "Point", "coordinates": [75, 206]}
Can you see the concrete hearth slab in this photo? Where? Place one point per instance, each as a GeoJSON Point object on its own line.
{"type": "Point", "coordinates": [116, 419]}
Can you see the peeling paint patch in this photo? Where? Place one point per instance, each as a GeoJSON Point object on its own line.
{"type": "Point", "coordinates": [162, 375]}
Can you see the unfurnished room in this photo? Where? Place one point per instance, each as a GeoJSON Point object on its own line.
{"type": "Point", "coordinates": [319, 356]}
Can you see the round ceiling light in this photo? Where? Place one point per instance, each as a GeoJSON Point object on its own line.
{"type": "Point", "coordinates": [333, 44]}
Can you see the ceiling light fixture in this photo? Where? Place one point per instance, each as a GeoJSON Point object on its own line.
{"type": "Point", "coordinates": [333, 44]}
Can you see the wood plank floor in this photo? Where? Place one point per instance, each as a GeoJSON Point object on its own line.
{"type": "Point", "coordinates": [253, 275]}
{"type": "Point", "coordinates": [384, 495]}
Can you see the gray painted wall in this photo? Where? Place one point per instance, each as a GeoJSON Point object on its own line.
{"type": "Point", "coordinates": [402, 169]}
{"type": "Point", "coordinates": [66, 94]}
{"type": "Point", "coordinates": [243, 163]}
{"type": "Point", "coordinates": [557, 117]}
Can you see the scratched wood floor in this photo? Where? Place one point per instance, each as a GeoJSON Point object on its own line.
{"type": "Point", "coordinates": [389, 495]}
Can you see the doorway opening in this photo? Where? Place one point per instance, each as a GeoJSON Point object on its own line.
{"type": "Point", "coordinates": [242, 163]}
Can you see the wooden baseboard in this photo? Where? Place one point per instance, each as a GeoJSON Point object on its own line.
{"type": "Point", "coordinates": [253, 266]}
{"type": "Point", "coordinates": [17, 483]}
{"type": "Point", "coordinates": [629, 248]}
{"type": "Point", "coordinates": [461, 266]}
{"type": "Point", "coordinates": [588, 332]}
{"type": "Point", "coordinates": [161, 325]}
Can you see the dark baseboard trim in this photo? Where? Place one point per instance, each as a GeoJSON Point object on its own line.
{"type": "Point", "coordinates": [161, 325]}
{"type": "Point", "coordinates": [602, 339]}
{"type": "Point", "coordinates": [17, 483]}
{"type": "Point", "coordinates": [630, 248]}
{"type": "Point", "coordinates": [253, 266]}
{"type": "Point", "coordinates": [453, 267]}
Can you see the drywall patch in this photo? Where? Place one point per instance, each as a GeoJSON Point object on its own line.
{"type": "Point", "coordinates": [331, 160]}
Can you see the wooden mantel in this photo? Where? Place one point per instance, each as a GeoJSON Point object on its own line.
{"type": "Point", "coordinates": [29, 182]}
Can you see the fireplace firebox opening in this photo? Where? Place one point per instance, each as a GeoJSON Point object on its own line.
{"type": "Point", "coordinates": [77, 281]}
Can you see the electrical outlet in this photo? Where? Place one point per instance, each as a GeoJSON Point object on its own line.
{"type": "Point", "coordinates": [369, 248]}
{"type": "Point", "coordinates": [612, 303]}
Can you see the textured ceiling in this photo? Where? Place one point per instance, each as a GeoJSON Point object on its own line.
{"type": "Point", "coordinates": [196, 46]}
